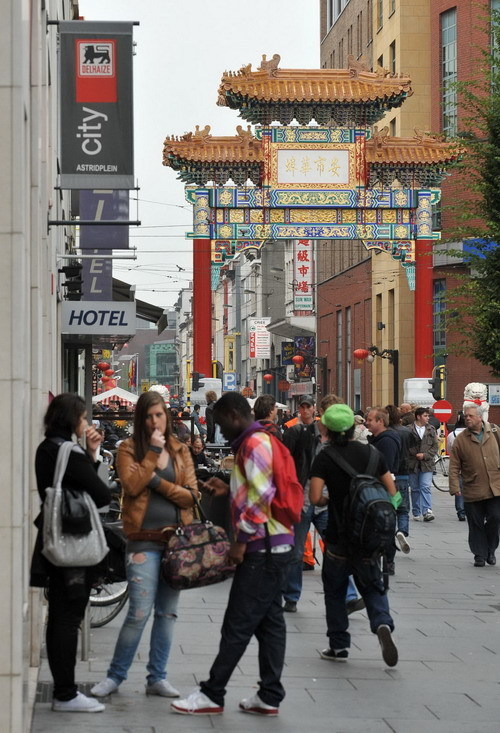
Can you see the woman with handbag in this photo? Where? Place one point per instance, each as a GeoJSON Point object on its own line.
{"type": "Point", "coordinates": [68, 588]}
{"type": "Point", "coordinates": [159, 484]}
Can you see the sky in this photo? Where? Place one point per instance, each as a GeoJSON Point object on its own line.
{"type": "Point", "coordinates": [182, 50]}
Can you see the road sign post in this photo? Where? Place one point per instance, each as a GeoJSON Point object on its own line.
{"type": "Point", "coordinates": [442, 410]}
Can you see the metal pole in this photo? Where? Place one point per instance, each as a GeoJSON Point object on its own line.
{"type": "Point", "coordinates": [395, 364]}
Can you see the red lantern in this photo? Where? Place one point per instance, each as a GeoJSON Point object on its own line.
{"type": "Point", "coordinates": [361, 354]}
{"type": "Point", "coordinates": [99, 390]}
{"type": "Point", "coordinates": [247, 391]}
{"type": "Point", "coordinates": [298, 359]}
{"type": "Point", "coordinates": [103, 365]}
{"type": "Point", "coordinates": [111, 384]}
{"type": "Point", "coordinates": [268, 378]}
{"type": "Point", "coordinates": [283, 385]}
{"type": "Point", "coordinates": [105, 379]}
{"type": "Point", "coordinates": [109, 372]}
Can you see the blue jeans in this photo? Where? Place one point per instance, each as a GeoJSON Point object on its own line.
{"type": "Point", "coordinates": [293, 587]}
{"type": "Point", "coordinates": [254, 608]}
{"type": "Point", "coordinates": [459, 505]}
{"type": "Point", "coordinates": [420, 484]}
{"type": "Point", "coordinates": [368, 577]}
{"type": "Point", "coordinates": [147, 590]}
{"type": "Point", "coordinates": [403, 486]}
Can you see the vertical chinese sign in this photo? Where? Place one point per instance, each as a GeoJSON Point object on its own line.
{"type": "Point", "coordinates": [303, 274]}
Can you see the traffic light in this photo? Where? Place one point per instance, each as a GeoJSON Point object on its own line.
{"type": "Point", "coordinates": [436, 384]}
{"type": "Point", "coordinates": [197, 381]}
{"type": "Point", "coordinates": [73, 282]}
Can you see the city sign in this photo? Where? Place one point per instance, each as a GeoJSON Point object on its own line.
{"type": "Point", "coordinates": [95, 68]}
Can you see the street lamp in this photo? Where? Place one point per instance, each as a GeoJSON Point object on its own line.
{"type": "Point", "coordinates": [392, 356]}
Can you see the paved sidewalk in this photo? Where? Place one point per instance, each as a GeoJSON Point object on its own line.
{"type": "Point", "coordinates": [447, 616]}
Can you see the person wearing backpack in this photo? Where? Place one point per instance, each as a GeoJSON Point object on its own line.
{"type": "Point", "coordinates": [347, 549]}
{"type": "Point", "coordinates": [261, 553]}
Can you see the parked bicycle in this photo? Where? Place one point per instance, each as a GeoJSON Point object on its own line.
{"type": "Point", "coordinates": [441, 472]}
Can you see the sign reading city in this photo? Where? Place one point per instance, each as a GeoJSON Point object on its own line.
{"type": "Point", "coordinates": [99, 318]}
{"type": "Point", "coordinates": [95, 66]}
{"type": "Point", "coordinates": [259, 338]}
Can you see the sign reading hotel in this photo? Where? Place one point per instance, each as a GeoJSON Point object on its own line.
{"type": "Point", "coordinates": [259, 338]}
{"type": "Point", "coordinates": [95, 67]}
{"type": "Point", "coordinates": [97, 318]}
{"type": "Point", "coordinates": [303, 275]}
{"type": "Point", "coordinates": [313, 167]}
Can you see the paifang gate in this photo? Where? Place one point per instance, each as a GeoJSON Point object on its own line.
{"type": "Point", "coordinates": [340, 180]}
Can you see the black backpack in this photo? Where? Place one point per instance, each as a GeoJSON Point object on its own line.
{"type": "Point", "coordinates": [369, 516]}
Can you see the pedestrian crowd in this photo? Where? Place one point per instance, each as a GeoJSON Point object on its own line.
{"type": "Point", "coordinates": [359, 479]}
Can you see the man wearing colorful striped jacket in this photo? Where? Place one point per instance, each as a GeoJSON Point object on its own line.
{"type": "Point", "coordinates": [261, 552]}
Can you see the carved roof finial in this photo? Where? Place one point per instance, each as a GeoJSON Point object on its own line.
{"type": "Point", "coordinates": [270, 66]}
{"type": "Point", "coordinates": [356, 66]}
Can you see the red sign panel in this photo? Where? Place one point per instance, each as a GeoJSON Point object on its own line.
{"type": "Point", "coordinates": [442, 410]}
{"type": "Point", "coordinates": [95, 66]}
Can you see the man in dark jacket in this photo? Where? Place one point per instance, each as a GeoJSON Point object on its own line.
{"type": "Point", "coordinates": [211, 398]}
{"type": "Point", "coordinates": [423, 450]}
{"type": "Point", "coordinates": [302, 440]}
{"type": "Point", "coordinates": [388, 442]}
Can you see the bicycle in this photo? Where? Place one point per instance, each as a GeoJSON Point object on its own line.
{"type": "Point", "coordinates": [441, 472]}
{"type": "Point", "coordinates": [106, 602]}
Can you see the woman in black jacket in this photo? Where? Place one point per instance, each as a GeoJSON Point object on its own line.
{"type": "Point", "coordinates": [68, 588]}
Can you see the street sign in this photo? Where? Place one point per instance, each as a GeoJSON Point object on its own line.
{"type": "Point", "coordinates": [229, 382]}
{"type": "Point", "coordinates": [442, 410]}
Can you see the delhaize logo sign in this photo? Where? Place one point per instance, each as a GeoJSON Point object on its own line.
{"type": "Point", "coordinates": [95, 70]}
{"type": "Point", "coordinates": [95, 66]}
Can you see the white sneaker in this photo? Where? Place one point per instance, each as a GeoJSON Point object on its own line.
{"type": "Point", "coordinates": [163, 688]}
{"type": "Point", "coordinates": [196, 704]}
{"type": "Point", "coordinates": [403, 543]}
{"type": "Point", "coordinates": [79, 704]}
{"type": "Point", "coordinates": [104, 688]}
{"type": "Point", "coordinates": [418, 518]}
{"type": "Point", "coordinates": [428, 516]}
{"type": "Point", "coordinates": [256, 706]}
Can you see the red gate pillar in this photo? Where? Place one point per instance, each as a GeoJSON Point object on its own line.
{"type": "Point", "coordinates": [202, 284]}
{"type": "Point", "coordinates": [202, 307]}
{"type": "Point", "coordinates": [423, 317]}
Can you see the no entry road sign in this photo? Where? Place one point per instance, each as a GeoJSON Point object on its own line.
{"type": "Point", "coordinates": [442, 410]}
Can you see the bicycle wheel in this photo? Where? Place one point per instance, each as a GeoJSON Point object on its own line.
{"type": "Point", "coordinates": [441, 473]}
{"type": "Point", "coordinates": [106, 602]}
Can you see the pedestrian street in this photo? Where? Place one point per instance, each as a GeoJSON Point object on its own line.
{"type": "Point", "coordinates": [447, 616]}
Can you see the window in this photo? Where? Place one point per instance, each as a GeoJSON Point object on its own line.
{"type": "Point", "coordinates": [348, 350]}
{"type": "Point", "coordinates": [392, 57]}
{"type": "Point", "coordinates": [369, 22]}
{"type": "Point", "coordinates": [392, 7]}
{"type": "Point", "coordinates": [449, 71]}
{"type": "Point", "coordinates": [380, 14]}
{"type": "Point", "coordinates": [380, 61]}
{"type": "Point", "coordinates": [341, 54]}
{"type": "Point", "coordinates": [439, 321]}
{"type": "Point", "coordinates": [392, 127]}
{"type": "Point", "coordinates": [339, 353]}
{"type": "Point", "coordinates": [359, 34]}
{"type": "Point", "coordinates": [349, 40]}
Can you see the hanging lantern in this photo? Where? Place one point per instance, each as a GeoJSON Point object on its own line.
{"type": "Point", "coordinates": [111, 384]}
{"type": "Point", "coordinates": [283, 385]}
{"type": "Point", "coordinates": [298, 359]}
{"type": "Point", "coordinates": [103, 365]}
{"type": "Point", "coordinates": [361, 355]}
{"type": "Point", "coordinates": [268, 378]}
{"type": "Point", "coordinates": [105, 379]}
{"type": "Point", "coordinates": [109, 372]}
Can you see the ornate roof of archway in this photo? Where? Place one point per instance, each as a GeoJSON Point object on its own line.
{"type": "Point", "coordinates": [354, 95]}
{"type": "Point", "coordinates": [200, 157]}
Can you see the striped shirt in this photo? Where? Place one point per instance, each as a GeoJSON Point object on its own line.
{"type": "Point", "coordinates": [252, 492]}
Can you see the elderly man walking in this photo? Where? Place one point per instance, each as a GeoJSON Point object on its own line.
{"type": "Point", "coordinates": [475, 457]}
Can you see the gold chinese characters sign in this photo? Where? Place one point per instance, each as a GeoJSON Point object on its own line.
{"type": "Point", "coordinates": [312, 166]}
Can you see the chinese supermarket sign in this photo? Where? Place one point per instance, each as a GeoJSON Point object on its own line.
{"type": "Point", "coordinates": [259, 338]}
{"type": "Point", "coordinates": [303, 275]}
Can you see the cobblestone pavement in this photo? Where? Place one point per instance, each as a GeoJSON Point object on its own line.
{"type": "Point", "coordinates": [447, 616]}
